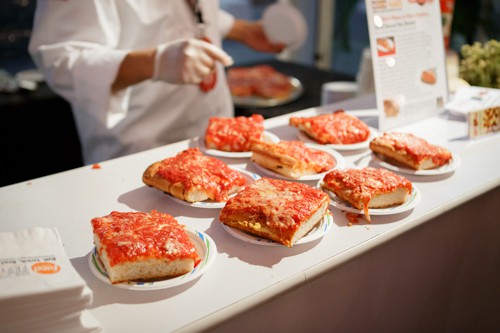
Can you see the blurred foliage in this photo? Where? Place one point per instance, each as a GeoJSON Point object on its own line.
{"type": "Point", "coordinates": [480, 64]}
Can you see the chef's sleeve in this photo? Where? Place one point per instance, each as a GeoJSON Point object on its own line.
{"type": "Point", "coordinates": [74, 44]}
{"type": "Point", "coordinates": [225, 22]}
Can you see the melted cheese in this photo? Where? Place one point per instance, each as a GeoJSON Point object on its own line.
{"type": "Point", "coordinates": [278, 204]}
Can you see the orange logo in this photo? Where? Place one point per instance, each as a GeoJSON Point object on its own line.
{"type": "Point", "coordinates": [45, 268]}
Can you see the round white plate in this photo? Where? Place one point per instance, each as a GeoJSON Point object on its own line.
{"type": "Point", "coordinates": [340, 147]}
{"type": "Point", "coordinates": [339, 163]}
{"type": "Point", "coordinates": [261, 102]}
{"type": "Point", "coordinates": [250, 176]}
{"type": "Point", "coordinates": [317, 232]}
{"type": "Point", "coordinates": [267, 137]}
{"type": "Point", "coordinates": [283, 23]}
{"type": "Point", "coordinates": [447, 168]}
{"type": "Point", "coordinates": [412, 201]}
{"type": "Point", "coordinates": [205, 247]}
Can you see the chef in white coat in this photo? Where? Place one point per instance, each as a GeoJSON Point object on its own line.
{"type": "Point", "coordinates": [133, 69]}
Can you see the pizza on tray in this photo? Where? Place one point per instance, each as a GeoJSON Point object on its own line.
{"type": "Point", "coordinates": [292, 158]}
{"type": "Point", "coordinates": [258, 81]}
{"type": "Point", "coordinates": [279, 210]}
{"type": "Point", "coordinates": [412, 151]}
{"type": "Point", "coordinates": [141, 246]}
{"type": "Point", "coordinates": [368, 187]}
{"type": "Point", "coordinates": [193, 177]}
{"type": "Point", "coordinates": [234, 134]}
{"type": "Point", "coordinates": [333, 128]}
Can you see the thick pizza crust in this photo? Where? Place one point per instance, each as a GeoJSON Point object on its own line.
{"type": "Point", "coordinates": [143, 269]}
{"type": "Point", "coordinates": [264, 155]}
{"type": "Point", "coordinates": [190, 164]}
{"type": "Point", "coordinates": [260, 228]}
{"type": "Point", "coordinates": [373, 188]}
{"type": "Point", "coordinates": [165, 249]}
{"type": "Point", "coordinates": [387, 149]}
{"type": "Point", "coordinates": [151, 178]}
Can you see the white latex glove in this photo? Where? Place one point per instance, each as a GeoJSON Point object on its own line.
{"type": "Point", "coordinates": [187, 61]}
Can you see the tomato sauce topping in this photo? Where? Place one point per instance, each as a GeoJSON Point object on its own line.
{"type": "Point", "coordinates": [128, 236]}
{"type": "Point", "coordinates": [361, 185]}
{"type": "Point", "coordinates": [334, 128]}
{"type": "Point", "coordinates": [197, 171]}
{"type": "Point", "coordinates": [234, 134]}
{"type": "Point", "coordinates": [280, 204]}
{"type": "Point", "coordinates": [418, 148]}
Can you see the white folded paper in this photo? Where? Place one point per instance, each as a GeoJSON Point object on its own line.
{"type": "Point", "coordinates": [40, 291]}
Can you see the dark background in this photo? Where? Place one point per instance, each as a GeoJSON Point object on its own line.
{"type": "Point", "coordinates": [38, 136]}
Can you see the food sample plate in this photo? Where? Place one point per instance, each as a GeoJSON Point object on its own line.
{"type": "Point", "coordinates": [316, 233]}
{"type": "Point", "coordinates": [250, 177]}
{"type": "Point", "coordinates": [259, 102]}
{"type": "Point", "coordinates": [340, 147]}
{"type": "Point", "coordinates": [410, 203]}
{"type": "Point", "coordinates": [205, 247]}
{"type": "Point", "coordinates": [268, 137]}
{"type": "Point", "coordinates": [339, 163]}
{"type": "Point", "coordinates": [399, 167]}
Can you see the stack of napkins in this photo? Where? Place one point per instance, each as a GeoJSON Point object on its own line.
{"type": "Point", "coordinates": [40, 291]}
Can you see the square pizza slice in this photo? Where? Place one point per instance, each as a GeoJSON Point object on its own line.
{"type": "Point", "coordinates": [333, 128]}
{"type": "Point", "coordinates": [234, 134]}
{"type": "Point", "coordinates": [293, 159]}
{"type": "Point", "coordinates": [143, 246]}
{"type": "Point", "coordinates": [368, 187]}
{"type": "Point", "coordinates": [410, 150]}
{"type": "Point", "coordinates": [279, 210]}
{"type": "Point", "coordinates": [193, 177]}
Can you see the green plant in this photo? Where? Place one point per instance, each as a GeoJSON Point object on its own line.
{"type": "Point", "coordinates": [480, 64]}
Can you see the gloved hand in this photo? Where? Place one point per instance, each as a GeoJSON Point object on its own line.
{"type": "Point", "coordinates": [187, 61]}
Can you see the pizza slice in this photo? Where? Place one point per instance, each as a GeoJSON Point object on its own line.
{"type": "Point", "coordinates": [368, 187]}
{"type": "Point", "coordinates": [334, 128]}
{"type": "Point", "coordinates": [292, 158]}
{"type": "Point", "coordinates": [279, 210]}
{"type": "Point", "coordinates": [193, 177]}
{"type": "Point", "coordinates": [412, 151]}
{"type": "Point", "coordinates": [143, 246]}
{"type": "Point", "coordinates": [234, 134]}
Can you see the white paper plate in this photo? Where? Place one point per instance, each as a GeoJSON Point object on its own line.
{"type": "Point", "coordinates": [340, 147]}
{"type": "Point", "coordinates": [391, 165]}
{"type": "Point", "coordinates": [339, 160]}
{"type": "Point", "coordinates": [205, 247]}
{"type": "Point", "coordinates": [317, 232]}
{"type": "Point", "coordinates": [412, 201]}
{"type": "Point", "coordinates": [261, 102]}
{"type": "Point", "coordinates": [283, 23]}
{"type": "Point", "coordinates": [250, 176]}
{"type": "Point", "coordinates": [268, 137]}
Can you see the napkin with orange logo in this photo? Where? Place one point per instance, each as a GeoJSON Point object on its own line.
{"type": "Point", "coordinates": [39, 284]}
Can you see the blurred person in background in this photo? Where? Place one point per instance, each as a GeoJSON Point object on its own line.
{"type": "Point", "coordinates": [139, 73]}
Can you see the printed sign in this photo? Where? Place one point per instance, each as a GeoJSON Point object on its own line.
{"type": "Point", "coordinates": [408, 55]}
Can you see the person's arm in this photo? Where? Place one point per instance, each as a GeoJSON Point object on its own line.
{"type": "Point", "coordinates": [183, 61]}
{"type": "Point", "coordinates": [137, 66]}
{"type": "Point", "coordinates": [252, 34]}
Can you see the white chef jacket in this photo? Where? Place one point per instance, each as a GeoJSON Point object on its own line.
{"type": "Point", "coordinates": [79, 45]}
